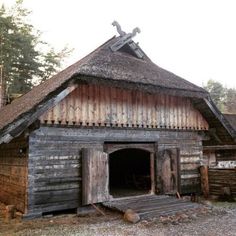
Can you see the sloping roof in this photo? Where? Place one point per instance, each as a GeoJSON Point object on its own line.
{"type": "Point", "coordinates": [102, 63]}
{"type": "Point", "coordinates": [119, 68]}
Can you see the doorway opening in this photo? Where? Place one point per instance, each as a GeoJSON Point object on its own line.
{"type": "Point", "coordinates": [129, 172]}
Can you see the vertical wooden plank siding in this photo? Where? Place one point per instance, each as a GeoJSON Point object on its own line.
{"type": "Point", "coordinates": [93, 105]}
{"type": "Point", "coordinates": [94, 176]}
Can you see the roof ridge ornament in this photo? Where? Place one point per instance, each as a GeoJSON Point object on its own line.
{"type": "Point", "coordinates": [124, 37]}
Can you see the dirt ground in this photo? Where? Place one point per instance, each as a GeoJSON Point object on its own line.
{"type": "Point", "coordinates": [217, 220]}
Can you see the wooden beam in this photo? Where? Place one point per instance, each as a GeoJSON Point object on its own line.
{"type": "Point", "coordinates": [17, 127]}
{"type": "Point", "coordinates": [152, 172]}
{"type": "Point", "coordinates": [204, 181]}
{"type": "Point", "coordinates": [219, 147]}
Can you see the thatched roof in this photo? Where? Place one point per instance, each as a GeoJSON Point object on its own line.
{"type": "Point", "coordinates": [105, 64]}
{"type": "Point", "coordinates": [120, 68]}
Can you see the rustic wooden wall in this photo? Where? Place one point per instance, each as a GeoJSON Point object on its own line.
{"type": "Point", "coordinates": [220, 178]}
{"type": "Point", "coordinates": [55, 161]}
{"type": "Point", "coordinates": [55, 170]}
{"type": "Point", "coordinates": [226, 155]}
{"type": "Point", "coordinates": [13, 173]}
{"type": "Point", "coordinates": [94, 105]}
{"type": "Point", "coordinates": [190, 151]}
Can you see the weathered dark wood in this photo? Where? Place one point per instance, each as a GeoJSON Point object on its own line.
{"type": "Point", "coordinates": [113, 147]}
{"type": "Point", "coordinates": [94, 176]}
{"type": "Point", "coordinates": [152, 205]}
{"type": "Point", "coordinates": [55, 165]}
{"type": "Point", "coordinates": [55, 175]}
{"type": "Point", "coordinates": [152, 172]}
{"type": "Point", "coordinates": [220, 147]}
{"type": "Point", "coordinates": [220, 178]}
{"type": "Point", "coordinates": [168, 165]}
{"type": "Point", "coordinates": [225, 155]}
{"type": "Point", "coordinates": [204, 181]}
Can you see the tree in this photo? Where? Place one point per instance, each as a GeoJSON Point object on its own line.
{"type": "Point", "coordinates": [217, 92]}
{"type": "Point", "coordinates": [230, 101]}
{"type": "Point", "coordinates": [20, 52]}
{"type": "Point", "coordinates": [224, 98]}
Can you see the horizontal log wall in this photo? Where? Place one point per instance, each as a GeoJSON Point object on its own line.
{"type": "Point", "coordinates": [219, 178]}
{"type": "Point", "coordinates": [93, 105]}
{"type": "Point", "coordinates": [55, 171]}
{"type": "Point", "coordinates": [190, 151]}
{"type": "Point", "coordinates": [13, 173]}
{"type": "Point", "coordinates": [226, 155]}
{"type": "Point", "coordinates": [55, 161]}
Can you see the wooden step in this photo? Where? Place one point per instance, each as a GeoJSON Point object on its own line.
{"type": "Point", "coordinates": [149, 206]}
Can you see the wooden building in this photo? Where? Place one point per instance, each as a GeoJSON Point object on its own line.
{"type": "Point", "coordinates": [113, 124]}
{"type": "Point", "coordinates": [221, 152]}
{"type": "Point", "coordinates": [221, 170]}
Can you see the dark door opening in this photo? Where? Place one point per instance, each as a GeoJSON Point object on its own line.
{"type": "Point", "coordinates": [129, 172]}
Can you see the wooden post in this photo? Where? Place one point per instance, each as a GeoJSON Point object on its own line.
{"type": "Point", "coordinates": [10, 212]}
{"type": "Point", "coordinates": [152, 172]}
{"type": "Point", "coordinates": [204, 181]}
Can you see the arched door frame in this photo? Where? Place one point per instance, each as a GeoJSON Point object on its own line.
{"type": "Point", "coordinates": [148, 147]}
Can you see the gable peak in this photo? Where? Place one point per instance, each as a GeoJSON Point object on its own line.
{"type": "Point", "coordinates": [126, 39]}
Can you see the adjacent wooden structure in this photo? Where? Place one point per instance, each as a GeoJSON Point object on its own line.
{"type": "Point", "coordinates": [220, 179]}
{"type": "Point", "coordinates": [58, 140]}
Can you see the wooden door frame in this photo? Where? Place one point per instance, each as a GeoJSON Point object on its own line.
{"type": "Point", "coordinates": [151, 147]}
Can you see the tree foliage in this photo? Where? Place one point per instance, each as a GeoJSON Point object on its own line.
{"type": "Point", "coordinates": [20, 51]}
{"type": "Point", "coordinates": [230, 101]}
{"type": "Point", "coordinates": [224, 98]}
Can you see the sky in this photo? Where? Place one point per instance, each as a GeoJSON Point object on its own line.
{"type": "Point", "coordinates": [195, 39]}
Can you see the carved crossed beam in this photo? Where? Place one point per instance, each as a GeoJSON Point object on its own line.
{"type": "Point", "coordinates": [124, 37]}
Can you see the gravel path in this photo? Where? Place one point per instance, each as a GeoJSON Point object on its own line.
{"type": "Point", "coordinates": [218, 221]}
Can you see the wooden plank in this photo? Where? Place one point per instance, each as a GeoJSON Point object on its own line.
{"type": "Point", "coordinates": [113, 106]}
{"type": "Point", "coordinates": [152, 172]}
{"type": "Point", "coordinates": [95, 176]}
{"type": "Point", "coordinates": [129, 109]}
{"type": "Point", "coordinates": [151, 104]}
{"type": "Point", "coordinates": [221, 178]}
{"type": "Point", "coordinates": [144, 110]}
{"type": "Point", "coordinates": [71, 118]}
{"type": "Point", "coordinates": [153, 206]}
{"type": "Point", "coordinates": [77, 105]}
{"type": "Point", "coordinates": [204, 181]}
{"type": "Point", "coordinates": [167, 115]}
{"type": "Point", "coordinates": [112, 147]}
{"type": "Point", "coordinates": [101, 106]}
{"type": "Point", "coordinates": [96, 104]}
{"type": "Point", "coordinates": [85, 105]}
{"type": "Point", "coordinates": [124, 108]}
{"type": "Point", "coordinates": [162, 110]}
{"type": "Point", "coordinates": [119, 107]}
{"type": "Point", "coordinates": [91, 102]}
{"type": "Point", "coordinates": [108, 106]}
{"type": "Point", "coordinates": [157, 110]}
{"type": "Point", "coordinates": [149, 111]}
{"type": "Point", "coordinates": [139, 118]}
{"type": "Point", "coordinates": [133, 108]}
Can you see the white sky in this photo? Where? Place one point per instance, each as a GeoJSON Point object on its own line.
{"type": "Point", "coordinates": [195, 39]}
